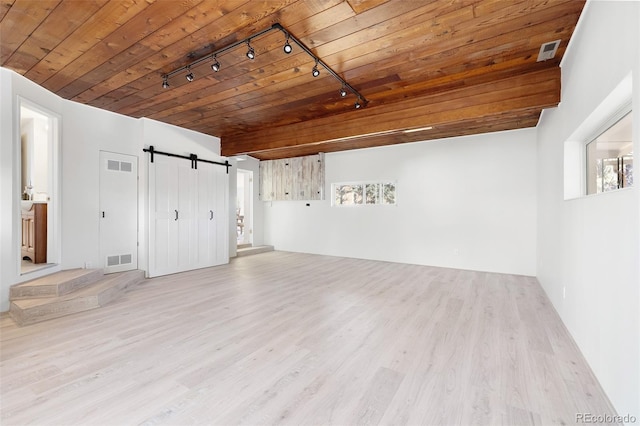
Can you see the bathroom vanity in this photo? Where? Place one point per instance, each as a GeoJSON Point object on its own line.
{"type": "Point", "coordinates": [34, 231]}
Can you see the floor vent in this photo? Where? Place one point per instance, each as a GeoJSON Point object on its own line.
{"type": "Point", "coordinates": [119, 259]}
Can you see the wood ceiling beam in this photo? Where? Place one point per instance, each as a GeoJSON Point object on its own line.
{"type": "Point", "coordinates": [525, 119]}
{"type": "Point", "coordinates": [535, 90]}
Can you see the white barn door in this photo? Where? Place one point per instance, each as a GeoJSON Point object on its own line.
{"type": "Point", "coordinates": [118, 212]}
{"type": "Point", "coordinates": [213, 217]}
{"type": "Point", "coordinates": [188, 223]}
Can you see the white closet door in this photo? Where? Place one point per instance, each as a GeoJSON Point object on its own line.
{"type": "Point", "coordinates": [207, 219]}
{"type": "Point", "coordinates": [118, 212]}
{"type": "Point", "coordinates": [163, 220]}
{"type": "Point", "coordinates": [188, 215]}
{"type": "Point", "coordinates": [222, 215]}
{"type": "Point", "coordinates": [187, 220]}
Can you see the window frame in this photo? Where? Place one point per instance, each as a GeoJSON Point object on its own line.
{"type": "Point", "coordinates": [613, 119]}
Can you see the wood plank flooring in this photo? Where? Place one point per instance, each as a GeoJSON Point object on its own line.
{"type": "Point", "coordinates": [289, 338]}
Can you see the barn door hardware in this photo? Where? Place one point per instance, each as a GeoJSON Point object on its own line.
{"type": "Point", "coordinates": [191, 157]}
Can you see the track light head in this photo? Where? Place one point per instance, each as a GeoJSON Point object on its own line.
{"type": "Point", "coordinates": [251, 54]}
{"type": "Point", "coordinates": [165, 83]}
{"type": "Point", "coordinates": [343, 92]}
{"type": "Point", "coordinates": [315, 72]}
{"type": "Point", "coordinates": [287, 47]}
{"type": "Point", "coordinates": [190, 77]}
{"type": "Point", "coordinates": [357, 105]}
{"type": "Point", "coordinates": [216, 65]}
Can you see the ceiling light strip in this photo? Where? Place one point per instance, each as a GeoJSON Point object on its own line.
{"type": "Point", "coordinates": [361, 101]}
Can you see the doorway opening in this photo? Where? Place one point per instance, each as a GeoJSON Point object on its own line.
{"type": "Point", "coordinates": [39, 210]}
{"type": "Point", "coordinates": [244, 208]}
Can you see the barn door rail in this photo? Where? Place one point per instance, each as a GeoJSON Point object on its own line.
{"type": "Point", "coordinates": [191, 157]}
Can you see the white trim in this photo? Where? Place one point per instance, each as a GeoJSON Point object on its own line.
{"type": "Point", "coordinates": [614, 106]}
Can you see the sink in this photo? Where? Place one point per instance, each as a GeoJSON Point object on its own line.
{"type": "Point", "coordinates": [27, 205]}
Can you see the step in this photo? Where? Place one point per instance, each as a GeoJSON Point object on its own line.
{"type": "Point", "coordinates": [248, 251]}
{"type": "Point", "coordinates": [57, 284]}
{"type": "Point", "coordinates": [30, 311]}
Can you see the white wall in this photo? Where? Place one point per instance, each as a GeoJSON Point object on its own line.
{"type": "Point", "coordinates": [589, 247]}
{"type": "Point", "coordinates": [85, 132]}
{"type": "Point", "coordinates": [467, 202]}
{"type": "Point", "coordinates": [14, 87]}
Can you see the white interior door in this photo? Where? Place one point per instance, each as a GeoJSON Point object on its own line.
{"type": "Point", "coordinates": [163, 202]}
{"type": "Point", "coordinates": [207, 219]}
{"type": "Point", "coordinates": [186, 216]}
{"type": "Point", "coordinates": [222, 214]}
{"type": "Point", "coordinates": [118, 212]}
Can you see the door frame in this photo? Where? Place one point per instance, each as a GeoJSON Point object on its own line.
{"type": "Point", "coordinates": [54, 217]}
{"type": "Point", "coordinates": [247, 177]}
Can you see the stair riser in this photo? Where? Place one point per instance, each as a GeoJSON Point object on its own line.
{"type": "Point", "coordinates": [51, 311]}
{"type": "Point", "coordinates": [77, 284]}
{"type": "Point", "coordinates": [118, 285]}
{"type": "Point", "coordinates": [256, 250]}
{"type": "Point", "coordinates": [58, 289]}
{"type": "Point", "coordinates": [124, 284]}
{"type": "Point", "coordinates": [33, 292]}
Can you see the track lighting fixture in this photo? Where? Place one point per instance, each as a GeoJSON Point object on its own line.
{"type": "Point", "coordinates": [251, 54]}
{"type": "Point", "coordinates": [216, 65]}
{"type": "Point", "coordinates": [287, 47]}
{"type": "Point", "coordinates": [189, 76]}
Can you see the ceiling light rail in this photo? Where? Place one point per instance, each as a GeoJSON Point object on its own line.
{"type": "Point", "coordinates": [287, 48]}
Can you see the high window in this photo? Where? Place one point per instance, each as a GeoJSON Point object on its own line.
{"type": "Point", "coordinates": [609, 158]}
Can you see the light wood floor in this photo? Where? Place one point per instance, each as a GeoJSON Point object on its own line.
{"type": "Point", "coordinates": [285, 338]}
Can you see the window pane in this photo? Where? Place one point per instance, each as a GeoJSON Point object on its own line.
{"type": "Point", "coordinates": [388, 193]}
{"type": "Point", "coordinates": [610, 158]}
{"type": "Point", "coordinates": [609, 174]}
{"type": "Point", "coordinates": [373, 193]}
{"type": "Point", "coordinates": [627, 171]}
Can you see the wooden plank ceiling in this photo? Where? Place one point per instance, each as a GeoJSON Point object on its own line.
{"type": "Point", "coordinates": [458, 66]}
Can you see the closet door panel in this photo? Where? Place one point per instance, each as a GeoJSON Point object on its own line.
{"type": "Point", "coordinates": [187, 223]}
{"type": "Point", "coordinates": [207, 193]}
{"type": "Point", "coordinates": [163, 201]}
{"type": "Point", "coordinates": [221, 210]}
